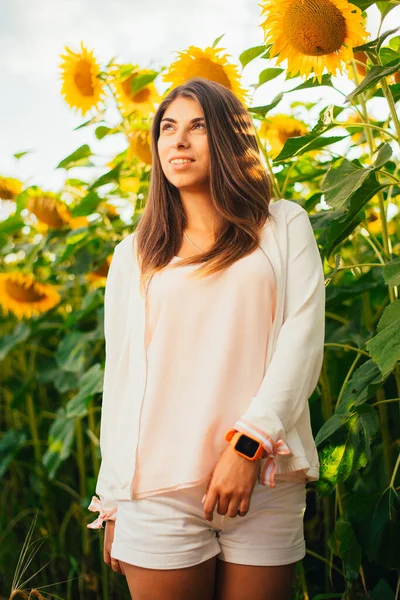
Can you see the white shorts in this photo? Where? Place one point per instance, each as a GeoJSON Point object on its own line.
{"type": "Point", "coordinates": [170, 531]}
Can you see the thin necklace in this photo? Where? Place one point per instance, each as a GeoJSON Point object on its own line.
{"type": "Point", "coordinates": [192, 242]}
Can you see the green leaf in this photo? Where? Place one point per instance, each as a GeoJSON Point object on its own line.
{"type": "Point", "coordinates": [341, 181]}
{"type": "Point", "coordinates": [383, 37]}
{"type": "Point", "coordinates": [250, 54]}
{"type": "Point", "coordinates": [295, 146]}
{"type": "Point", "coordinates": [12, 224]}
{"type": "Point", "coordinates": [383, 155]}
{"type": "Point", "coordinates": [337, 225]}
{"type": "Point", "coordinates": [8, 342]}
{"type": "Point", "coordinates": [61, 436]}
{"type": "Point", "coordinates": [359, 389]}
{"type": "Point", "coordinates": [384, 547]}
{"type": "Point", "coordinates": [109, 177]}
{"type": "Point", "coordinates": [267, 75]}
{"type": "Point", "coordinates": [394, 43]}
{"type": "Point", "coordinates": [87, 205]}
{"type": "Point", "coordinates": [385, 8]}
{"type": "Point", "coordinates": [335, 422]}
{"type": "Point", "coordinates": [373, 77]}
{"type": "Point", "coordinates": [350, 448]}
{"type": "Point", "coordinates": [391, 272]}
{"type": "Point", "coordinates": [141, 80]}
{"type": "Point", "coordinates": [344, 177]}
{"type": "Point", "coordinates": [384, 347]}
{"type": "Point", "coordinates": [70, 354]}
{"type": "Point", "coordinates": [325, 80]}
{"type": "Point", "coordinates": [382, 591]}
{"type": "Point", "coordinates": [344, 544]}
{"type": "Point", "coordinates": [79, 158]}
{"type": "Point", "coordinates": [91, 302]}
{"type": "Point", "coordinates": [19, 155]}
{"type": "Point", "coordinates": [374, 45]}
{"type": "Point", "coordinates": [101, 131]}
{"type": "Point", "coordinates": [76, 235]}
{"type": "Point", "coordinates": [10, 444]}
{"type": "Point", "coordinates": [362, 385]}
{"type": "Point", "coordinates": [263, 110]}
{"type": "Point", "coordinates": [91, 383]}
{"type": "Point", "coordinates": [388, 55]}
{"type": "Point", "coordinates": [96, 119]}
{"type": "Point", "coordinates": [217, 41]}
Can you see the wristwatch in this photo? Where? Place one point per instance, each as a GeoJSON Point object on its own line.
{"type": "Point", "coordinates": [245, 445]}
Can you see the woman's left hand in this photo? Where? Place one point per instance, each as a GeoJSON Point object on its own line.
{"type": "Point", "coordinates": [231, 485]}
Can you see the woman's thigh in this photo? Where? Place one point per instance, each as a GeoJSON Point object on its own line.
{"type": "Point", "coordinates": [242, 582]}
{"type": "Point", "coordinates": [196, 582]}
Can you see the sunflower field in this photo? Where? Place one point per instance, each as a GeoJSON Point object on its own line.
{"type": "Point", "coordinates": [341, 163]}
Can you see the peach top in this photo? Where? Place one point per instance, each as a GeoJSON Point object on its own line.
{"type": "Point", "coordinates": [206, 342]}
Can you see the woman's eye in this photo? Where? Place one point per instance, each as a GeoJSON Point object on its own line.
{"type": "Point", "coordinates": [169, 125]}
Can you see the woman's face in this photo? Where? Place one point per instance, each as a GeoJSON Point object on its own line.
{"type": "Point", "coordinates": [183, 134]}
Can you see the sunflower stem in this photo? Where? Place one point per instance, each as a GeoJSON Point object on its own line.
{"type": "Point", "coordinates": [381, 201]}
{"type": "Point", "coordinates": [82, 477]}
{"type": "Point", "coordinates": [389, 97]}
{"type": "Point", "coordinates": [369, 126]}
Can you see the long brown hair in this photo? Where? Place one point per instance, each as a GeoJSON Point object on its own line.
{"type": "Point", "coordinates": [240, 187]}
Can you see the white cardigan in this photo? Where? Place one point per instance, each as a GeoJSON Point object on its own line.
{"type": "Point", "coordinates": [279, 412]}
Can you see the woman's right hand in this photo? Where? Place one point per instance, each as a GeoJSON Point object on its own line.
{"type": "Point", "coordinates": [108, 540]}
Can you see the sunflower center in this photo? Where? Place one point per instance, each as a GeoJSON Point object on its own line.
{"type": "Point", "coordinates": [20, 293]}
{"type": "Point", "coordinates": [140, 96]}
{"type": "Point", "coordinates": [314, 27]}
{"type": "Point", "coordinates": [285, 135]}
{"type": "Point", "coordinates": [83, 77]}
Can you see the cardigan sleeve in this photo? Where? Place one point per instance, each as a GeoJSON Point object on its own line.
{"type": "Point", "coordinates": [115, 303]}
{"type": "Point", "coordinates": [295, 366]}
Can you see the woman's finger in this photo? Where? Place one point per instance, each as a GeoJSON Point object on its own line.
{"type": "Point", "coordinates": [115, 565]}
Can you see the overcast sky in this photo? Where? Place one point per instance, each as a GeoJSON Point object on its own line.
{"type": "Point", "coordinates": [33, 34]}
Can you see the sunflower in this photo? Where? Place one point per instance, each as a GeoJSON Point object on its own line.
{"type": "Point", "coordinates": [129, 184]}
{"type": "Point", "coordinates": [139, 145]}
{"type": "Point", "coordinates": [279, 128]}
{"type": "Point", "coordinates": [195, 62]}
{"type": "Point", "coordinates": [76, 222]}
{"type": "Point", "coordinates": [49, 211]}
{"type": "Point", "coordinates": [24, 296]}
{"type": "Point", "coordinates": [375, 222]}
{"type": "Point", "coordinates": [361, 57]}
{"type": "Point", "coordinates": [110, 210]}
{"type": "Point", "coordinates": [313, 34]}
{"type": "Point", "coordinates": [98, 277]}
{"type": "Point", "coordinates": [81, 87]}
{"type": "Point", "coordinates": [142, 101]}
{"type": "Point", "coordinates": [9, 188]}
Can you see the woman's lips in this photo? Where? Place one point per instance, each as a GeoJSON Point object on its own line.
{"type": "Point", "coordinates": [181, 166]}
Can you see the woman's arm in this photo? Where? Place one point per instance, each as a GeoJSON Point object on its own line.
{"type": "Point", "coordinates": [115, 308]}
{"type": "Point", "coordinates": [293, 372]}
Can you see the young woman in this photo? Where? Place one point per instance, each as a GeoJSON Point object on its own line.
{"type": "Point", "coordinates": [214, 330]}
